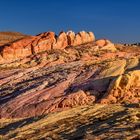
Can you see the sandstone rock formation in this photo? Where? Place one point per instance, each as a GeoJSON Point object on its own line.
{"type": "Point", "coordinates": [49, 73]}
{"type": "Point", "coordinates": [83, 37]}
{"type": "Point", "coordinates": [43, 42]}
{"type": "Point", "coordinates": [17, 49]}
{"type": "Point", "coordinates": [69, 82]}
{"type": "Point", "coordinates": [105, 44]}
{"type": "Point", "coordinates": [61, 41]}
{"type": "Point", "coordinates": [101, 42]}
{"type": "Point", "coordinates": [124, 88]}
{"type": "Point", "coordinates": [60, 81]}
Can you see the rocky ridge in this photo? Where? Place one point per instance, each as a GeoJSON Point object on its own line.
{"type": "Point", "coordinates": [43, 42]}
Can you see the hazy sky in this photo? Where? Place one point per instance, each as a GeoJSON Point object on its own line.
{"type": "Point", "coordinates": [118, 20]}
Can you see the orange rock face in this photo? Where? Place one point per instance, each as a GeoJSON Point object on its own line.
{"type": "Point", "coordinates": [61, 41]}
{"type": "Point", "coordinates": [28, 46]}
{"type": "Point", "coordinates": [77, 40]}
{"type": "Point", "coordinates": [44, 42]}
{"type": "Point", "coordinates": [18, 49]}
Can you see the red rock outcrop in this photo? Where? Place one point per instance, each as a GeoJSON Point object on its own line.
{"type": "Point", "coordinates": [61, 41]}
{"type": "Point", "coordinates": [43, 42]}
{"type": "Point", "coordinates": [42, 81]}
{"type": "Point", "coordinates": [17, 49]}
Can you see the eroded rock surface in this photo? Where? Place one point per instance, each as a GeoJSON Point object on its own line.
{"type": "Point", "coordinates": [46, 41]}
{"type": "Point", "coordinates": [61, 72]}
{"type": "Point", "coordinates": [90, 122]}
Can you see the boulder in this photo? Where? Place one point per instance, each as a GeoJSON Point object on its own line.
{"type": "Point", "coordinates": [101, 42]}
{"type": "Point", "coordinates": [105, 45]}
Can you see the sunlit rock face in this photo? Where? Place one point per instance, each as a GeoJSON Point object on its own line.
{"type": "Point", "coordinates": [44, 42]}
{"type": "Point", "coordinates": [50, 73]}
{"type": "Point", "coordinates": [125, 88]}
